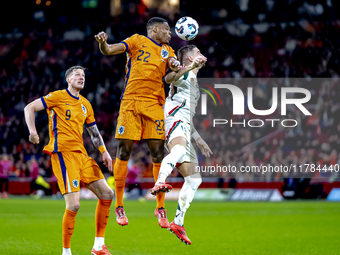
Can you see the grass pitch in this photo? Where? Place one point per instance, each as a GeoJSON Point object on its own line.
{"type": "Point", "coordinates": [34, 227]}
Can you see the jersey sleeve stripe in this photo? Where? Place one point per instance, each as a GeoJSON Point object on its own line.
{"type": "Point", "coordinates": [55, 130]}
{"type": "Point", "coordinates": [63, 168]}
{"type": "Point", "coordinates": [126, 46]}
{"type": "Point", "coordinates": [43, 102]}
{"type": "Point", "coordinates": [127, 76]}
{"type": "Point", "coordinates": [90, 125]}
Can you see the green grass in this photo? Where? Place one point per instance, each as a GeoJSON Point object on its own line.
{"type": "Point", "coordinates": [34, 227]}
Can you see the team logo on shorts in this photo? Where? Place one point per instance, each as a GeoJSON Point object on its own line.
{"type": "Point", "coordinates": [164, 53]}
{"type": "Point", "coordinates": [121, 130]}
{"type": "Point", "coordinates": [84, 109]}
{"type": "Point", "coordinates": [75, 183]}
{"type": "Point", "coordinates": [48, 95]}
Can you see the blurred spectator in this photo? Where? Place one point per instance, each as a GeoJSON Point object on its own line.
{"type": "Point", "coordinates": [5, 167]}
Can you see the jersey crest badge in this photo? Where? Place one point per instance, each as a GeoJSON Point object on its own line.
{"type": "Point", "coordinates": [164, 53]}
{"type": "Point", "coordinates": [84, 109]}
{"type": "Point", "coordinates": [75, 183]}
{"type": "Point", "coordinates": [121, 130]}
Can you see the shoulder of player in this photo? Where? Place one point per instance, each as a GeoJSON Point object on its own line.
{"type": "Point", "coordinates": [84, 100]}
{"type": "Point", "coordinates": [136, 37]}
{"type": "Point", "coordinates": [55, 93]}
{"type": "Point", "coordinates": [168, 47]}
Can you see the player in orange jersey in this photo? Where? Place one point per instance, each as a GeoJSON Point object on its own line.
{"type": "Point", "coordinates": [68, 111]}
{"type": "Point", "coordinates": [141, 113]}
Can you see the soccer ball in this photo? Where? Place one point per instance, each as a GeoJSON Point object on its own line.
{"type": "Point", "coordinates": [186, 28]}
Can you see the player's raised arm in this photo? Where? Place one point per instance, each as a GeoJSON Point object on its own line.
{"type": "Point", "coordinates": [200, 142]}
{"type": "Point", "coordinates": [30, 109]}
{"type": "Point", "coordinates": [98, 142]}
{"type": "Point", "coordinates": [108, 49]}
{"type": "Point", "coordinates": [197, 63]}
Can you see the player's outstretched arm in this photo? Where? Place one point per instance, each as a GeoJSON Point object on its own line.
{"type": "Point", "coordinates": [108, 49]}
{"type": "Point", "coordinates": [29, 112]}
{"type": "Point", "coordinates": [200, 142]}
{"type": "Point", "coordinates": [98, 142]}
{"type": "Point", "coordinates": [174, 76]}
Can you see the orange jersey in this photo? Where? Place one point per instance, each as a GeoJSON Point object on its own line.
{"type": "Point", "coordinates": [67, 116]}
{"type": "Point", "coordinates": [147, 63]}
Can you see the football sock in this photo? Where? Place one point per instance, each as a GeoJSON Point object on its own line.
{"type": "Point", "coordinates": [170, 161]}
{"type": "Point", "coordinates": [69, 220]}
{"type": "Point", "coordinates": [120, 173]}
{"type": "Point", "coordinates": [98, 243]}
{"type": "Point", "coordinates": [186, 195]}
{"type": "Point", "coordinates": [101, 218]}
{"type": "Point", "coordinates": [161, 196]}
{"type": "Point", "coordinates": [67, 251]}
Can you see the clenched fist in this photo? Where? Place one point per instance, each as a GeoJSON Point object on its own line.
{"type": "Point", "coordinates": [101, 37]}
{"type": "Point", "coordinates": [34, 138]}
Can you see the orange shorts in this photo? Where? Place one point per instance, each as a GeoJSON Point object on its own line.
{"type": "Point", "coordinates": [140, 120]}
{"type": "Point", "coordinates": [72, 167]}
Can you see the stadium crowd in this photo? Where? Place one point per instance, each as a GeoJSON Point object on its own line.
{"type": "Point", "coordinates": [302, 45]}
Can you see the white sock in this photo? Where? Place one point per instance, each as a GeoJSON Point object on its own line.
{"type": "Point", "coordinates": [67, 251]}
{"type": "Point", "coordinates": [98, 243]}
{"type": "Point", "coordinates": [186, 195]}
{"type": "Point", "coordinates": [170, 161]}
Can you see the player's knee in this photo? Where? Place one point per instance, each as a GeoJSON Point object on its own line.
{"type": "Point", "coordinates": [157, 157]}
{"type": "Point", "coordinates": [73, 207]}
{"type": "Point", "coordinates": [109, 194]}
{"type": "Point", "coordinates": [123, 154]}
{"type": "Point", "coordinates": [194, 181]}
{"type": "Point", "coordinates": [179, 149]}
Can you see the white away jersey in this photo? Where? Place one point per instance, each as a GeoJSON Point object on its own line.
{"type": "Point", "coordinates": [183, 103]}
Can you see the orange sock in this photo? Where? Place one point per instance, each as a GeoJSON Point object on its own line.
{"type": "Point", "coordinates": [102, 216]}
{"type": "Point", "coordinates": [161, 196]}
{"type": "Point", "coordinates": [120, 173]}
{"type": "Point", "coordinates": [69, 220]}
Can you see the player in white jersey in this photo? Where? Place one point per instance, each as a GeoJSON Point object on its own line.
{"type": "Point", "coordinates": [179, 110]}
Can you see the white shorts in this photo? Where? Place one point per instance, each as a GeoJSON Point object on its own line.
{"type": "Point", "coordinates": [177, 128]}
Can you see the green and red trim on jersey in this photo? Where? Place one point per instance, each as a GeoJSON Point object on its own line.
{"type": "Point", "coordinates": [174, 126]}
{"type": "Point", "coordinates": [177, 108]}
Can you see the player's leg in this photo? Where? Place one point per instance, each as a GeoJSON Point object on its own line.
{"type": "Point", "coordinates": [120, 173]}
{"type": "Point", "coordinates": [69, 219]}
{"type": "Point", "coordinates": [176, 139]}
{"type": "Point", "coordinates": [192, 181]}
{"type": "Point", "coordinates": [154, 132]}
{"type": "Point", "coordinates": [129, 129]}
{"type": "Point", "coordinates": [156, 148]}
{"type": "Point", "coordinates": [105, 195]}
{"type": "Point", "coordinates": [177, 151]}
{"type": "Point", "coordinates": [65, 166]}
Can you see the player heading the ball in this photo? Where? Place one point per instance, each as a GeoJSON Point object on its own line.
{"type": "Point", "coordinates": [180, 109]}
{"type": "Point", "coordinates": [141, 113]}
